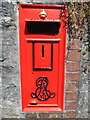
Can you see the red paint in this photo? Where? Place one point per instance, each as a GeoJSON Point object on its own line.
{"type": "Point", "coordinates": [30, 13]}
{"type": "Point", "coordinates": [39, 60]}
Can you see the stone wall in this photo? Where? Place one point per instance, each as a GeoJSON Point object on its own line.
{"type": "Point", "coordinates": [76, 94]}
{"type": "Point", "coordinates": [88, 70]}
{"type": "Point", "coordinates": [83, 79]}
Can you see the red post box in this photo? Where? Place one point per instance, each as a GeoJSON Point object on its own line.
{"type": "Point", "coordinates": [42, 56]}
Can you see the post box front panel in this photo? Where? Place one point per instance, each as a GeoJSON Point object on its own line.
{"type": "Point", "coordinates": [42, 59]}
{"type": "Point", "coordinates": [43, 55]}
{"type": "Point", "coordinates": [39, 75]}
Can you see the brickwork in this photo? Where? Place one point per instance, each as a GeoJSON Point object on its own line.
{"type": "Point", "coordinates": [76, 69]}
{"type": "Point", "coordinates": [73, 66]}
{"type": "Point", "coordinates": [72, 78]}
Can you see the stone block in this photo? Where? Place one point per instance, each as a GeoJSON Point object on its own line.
{"type": "Point", "coordinates": [11, 90]}
{"type": "Point", "coordinates": [83, 77]}
{"type": "Point", "coordinates": [26, 1]}
{"type": "Point", "coordinates": [11, 93]}
{"type": "Point", "coordinates": [10, 65]}
{"type": "Point", "coordinates": [48, 1]}
{"type": "Point", "coordinates": [0, 35]}
{"type": "Point", "coordinates": [89, 75]}
{"type": "Point", "coordinates": [9, 37]}
{"type": "Point", "coordinates": [89, 55]}
{"type": "Point", "coordinates": [10, 70]}
{"type": "Point", "coordinates": [88, 97]}
{"type": "Point", "coordinates": [88, 88]}
{"type": "Point", "coordinates": [10, 112]}
{"type": "Point", "coordinates": [88, 116]}
{"type": "Point", "coordinates": [7, 8]}
{"type": "Point", "coordinates": [0, 71]}
{"type": "Point", "coordinates": [0, 52]}
{"type": "Point", "coordinates": [9, 23]}
{"type": "Point", "coordinates": [1, 13]}
{"type": "Point", "coordinates": [10, 96]}
{"type": "Point", "coordinates": [10, 80]}
{"type": "Point", "coordinates": [88, 81]}
{"type": "Point", "coordinates": [89, 107]}
{"type": "Point", "coordinates": [83, 85]}
{"type": "Point", "coordinates": [83, 105]}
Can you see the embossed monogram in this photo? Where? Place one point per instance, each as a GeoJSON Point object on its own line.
{"type": "Point", "coordinates": [41, 93]}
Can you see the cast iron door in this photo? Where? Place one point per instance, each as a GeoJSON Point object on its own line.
{"type": "Point", "coordinates": [42, 56]}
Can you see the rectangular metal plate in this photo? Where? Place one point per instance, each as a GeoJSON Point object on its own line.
{"type": "Point", "coordinates": [42, 62]}
{"type": "Point", "coordinates": [42, 59]}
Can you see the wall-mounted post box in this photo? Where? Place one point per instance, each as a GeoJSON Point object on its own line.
{"type": "Point", "coordinates": [42, 56]}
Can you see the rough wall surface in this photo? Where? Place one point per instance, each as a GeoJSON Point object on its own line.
{"type": "Point", "coordinates": [76, 96]}
{"type": "Point", "coordinates": [10, 62]}
{"type": "Point", "coordinates": [89, 72]}
{"type": "Point", "coordinates": [0, 64]}
{"type": "Point", "coordinates": [83, 79]}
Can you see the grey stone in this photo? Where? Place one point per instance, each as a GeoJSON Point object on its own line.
{"type": "Point", "coordinates": [89, 64]}
{"type": "Point", "coordinates": [10, 1]}
{"type": "Point", "coordinates": [10, 70]}
{"type": "Point", "coordinates": [8, 23]}
{"type": "Point", "coordinates": [83, 104]}
{"type": "Point", "coordinates": [11, 62]}
{"type": "Point", "coordinates": [83, 77]}
{"type": "Point", "coordinates": [82, 109]}
{"type": "Point", "coordinates": [89, 97]}
{"type": "Point", "coordinates": [0, 71]}
{"type": "Point", "coordinates": [47, 1]}
{"type": "Point", "coordinates": [9, 37]}
{"type": "Point", "coordinates": [88, 116]}
{"type": "Point", "coordinates": [89, 107]}
{"type": "Point", "coordinates": [10, 80]}
{"type": "Point", "coordinates": [83, 87]}
{"type": "Point", "coordinates": [7, 9]}
{"type": "Point", "coordinates": [88, 88]}
{"type": "Point", "coordinates": [9, 112]}
{"type": "Point", "coordinates": [1, 12]}
{"type": "Point", "coordinates": [0, 38]}
{"type": "Point", "coordinates": [88, 81]}
{"type": "Point", "coordinates": [89, 102]}
{"type": "Point", "coordinates": [0, 97]}
{"type": "Point", "coordinates": [26, 1]}
{"type": "Point", "coordinates": [89, 75]}
{"type": "Point", "coordinates": [0, 52]}
{"type": "Point", "coordinates": [11, 96]}
{"type": "Point", "coordinates": [11, 93]}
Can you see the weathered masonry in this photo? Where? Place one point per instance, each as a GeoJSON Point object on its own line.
{"type": "Point", "coordinates": [42, 68]}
